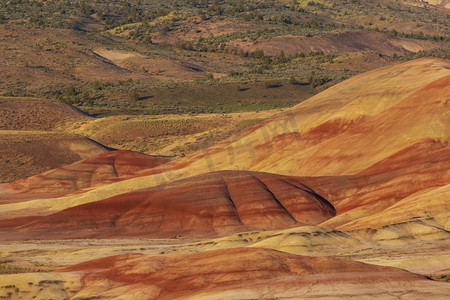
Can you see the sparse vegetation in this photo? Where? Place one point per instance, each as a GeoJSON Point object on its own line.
{"type": "Point", "coordinates": [6, 268]}
{"type": "Point", "coordinates": [443, 277]}
{"type": "Point", "coordinates": [167, 44]}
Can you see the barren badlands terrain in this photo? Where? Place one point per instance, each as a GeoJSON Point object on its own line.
{"type": "Point", "coordinates": [224, 149]}
{"type": "Point", "coordinates": [345, 194]}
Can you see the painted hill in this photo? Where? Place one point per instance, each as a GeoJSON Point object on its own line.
{"type": "Point", "coordinates": [213, 204]}
{"type": "Point", "coordinates": [98, 170]}
{"type": "Point", "coordinates": [366, 162]}
{"type": "Point", "coordinates": [252, 273]}
{"type": "Point", "coordinates": [355, 142]}
{"type": "Point", "coordinates": [347, 128]}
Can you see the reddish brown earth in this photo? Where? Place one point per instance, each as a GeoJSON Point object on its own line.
{"type": "Point", "coordinates": [363, 149]}
{"type": "Point", "coordinates": [417, 168]}
{"type": "Point", "coordinates": [213, 204]}
{"type": "Point", "coordinates": [244, 273]}
{"type": "Point", "coordinates": [101, 169]}
{"type": "Point", "coordinates": [347, 128]}
{"type": "Point", "coordinates": [334, 44]}
{"type": "Point", "coordinates": [203, 204]}
{"type": "Point", "coordinates": [369, 156]}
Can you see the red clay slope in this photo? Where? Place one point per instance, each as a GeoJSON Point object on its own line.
{"type": "Point", "coordinates": [373, 140]}
{"type": "Point", "coordinates": [420, 167]}
{"type": "Point", "coordinates": [344, 129]}
{"type": "Point", "coordinates": [213, 204]}
{"type": "Point", "coordinates": [101, 169]}
{"type": "Point", "coordinates": [245, 273]}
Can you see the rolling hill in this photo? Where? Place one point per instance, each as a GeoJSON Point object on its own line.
{"type": "Point", "coordinates": [357, 171]}
{"type": "Point", "coordinates": [224, 149]}
{"type": "Point", "coordinates": [398, 119]}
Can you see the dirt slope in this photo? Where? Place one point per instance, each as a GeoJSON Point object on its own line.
{"type": "Point", "coordinates": [252, 273]}
{"type": "Point", "coordinates": [350, 137]}
{"type": "Point", "coordinates": [27, 144]}
{"type": "Point", "coordinates": [440, 3]}
{"type": "Point", "coordinates": [97, 170]}
{"type": "Point", "coordinates": [26, 153]}
{"type": "Point", "coordinates": [376, 42]}
{"type": "Point", "coordinates": [378, 113]}
{"type": "Point", "coordinates": [36, 114]}
{"type": "Point", "coordinates": [366, 161]}
{"type": "Point", "coordinates": [213, 204]}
